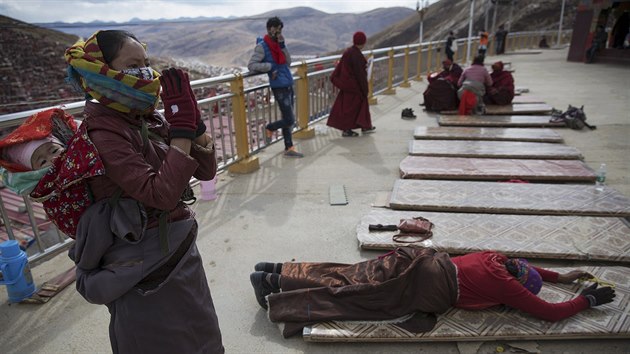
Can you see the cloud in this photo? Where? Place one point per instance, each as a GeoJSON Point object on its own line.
{"type": "Point", "coordinates": [34, 11]}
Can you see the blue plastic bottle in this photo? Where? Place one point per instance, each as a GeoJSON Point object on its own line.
{"type": "Point", "coordinates": [16, 273]}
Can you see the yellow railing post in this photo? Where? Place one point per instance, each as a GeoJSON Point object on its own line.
{"type": "Point", "coordinates": [303, 104]}
{"type": "Point", "coordinates": [405, 82]}
{"type": "Point", "coordinates": [513, 39]}
{"type": "Point", "coordinates": [419, 73]}
{"type": "Point", "coordinates": [490, 50]}
{"type": "Point", "coordinates": [390, 74]}
{"type": "Point", "coordinates": [429, 50]}
{"type": "Point", "coordinates": [371, 99]}
{"type": "Point", "coordinates": [245, 163]}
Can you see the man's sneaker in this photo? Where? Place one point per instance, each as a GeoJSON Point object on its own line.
{"type": "Point", "coordinates": [368, 130]}
{"type": "Point", "coordinates": [291, 152]}
{"type": "Point", "coordinates": [262, 287]}
{"type": "Point", "coordinates": [268, 267]}
{"type": "Point", "coordinates": [268, 136]}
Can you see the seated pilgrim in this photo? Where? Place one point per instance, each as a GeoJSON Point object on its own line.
{"type": "Point", "coordinates": [441, 94]}
{"type": "Point", "coordinates": [502, 90]}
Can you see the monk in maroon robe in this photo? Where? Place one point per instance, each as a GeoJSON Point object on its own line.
{"type": "Point", "coordinates": [502, 90]}
{"type": "Point", "coordinates": [441, 94]}
{"type": "Point", "coordinates": [351, 109]}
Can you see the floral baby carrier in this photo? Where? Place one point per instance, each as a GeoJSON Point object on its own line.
{"type": "Point", "coordinates": [64, 191]}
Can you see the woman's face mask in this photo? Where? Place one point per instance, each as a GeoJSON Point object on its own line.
{"type": "Point", "coordinates": [145, 73]}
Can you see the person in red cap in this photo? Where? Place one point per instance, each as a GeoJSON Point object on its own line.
{"type": "Point", "coordinates": [502, 90]}
{"type": "Point", "coordinates": [351, 109]}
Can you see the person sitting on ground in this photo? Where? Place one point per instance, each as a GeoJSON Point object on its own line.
{"type": "Point", "coordinates": [543, 42]}
{"type": "Point", "coordinates": [441, 94]}
{"type": "Point", "coordinates": [351, 109]}
{"type": "Point", "coordinates": [472, 87]}
{"type": "Point", "coordinates": [451, 71]}
{"type": "Point", "coordinates": [502, 90]}
{"type": "Point", "coordinates": [411, 280]}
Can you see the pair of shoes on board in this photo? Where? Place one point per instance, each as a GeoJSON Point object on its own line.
{"type": "Point", "coordinates": [268, 136]}
{"type": "Point", "coordinates": [261, 281]}
{"type": "Point", "coordinates": [349, 132]}
{"type": "Point", "coordinates": [291, 152]}
{"type": "Point", "coordinates": [368, 130]}
{"type": "Point", "coordinates": [268, 267]}
{"type": "Point", "coordinates": [407, 113]}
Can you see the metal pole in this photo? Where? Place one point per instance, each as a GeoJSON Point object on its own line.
{"type": "Point", "coordinates": [510, 20]}
{"type": "Point", "coordinates": [470, 25]}
{"type": "Point", "coordinates": [560, 25]}
{"type": "Point", "coordinates": [485, 23]}
{"type": "Point", "coordinates": [494, 16]}
{"type": "Point", "coordinates": [421, 24]}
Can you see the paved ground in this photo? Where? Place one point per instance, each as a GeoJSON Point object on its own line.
{"type": "Point", "coordinates": [281, 213]}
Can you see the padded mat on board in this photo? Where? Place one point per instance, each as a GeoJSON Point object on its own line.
{"type": "Point", "coordinates": [521, 108]}
{"type": "Point", "coordinates": [498, 121]}
{"type": "Point", "coordinates": [433, 167]}
{"type": "Point", "coordinates": [508, 198]}
{"type": "Point", "coordinates": [495, 149]}
{"type": "Point", "coordinates": [499, 134]}
{"type": "Point", "coordinates": [521, 99]}
{"type": "Point", "coordinates": [529, 236]}
{"type": "Point", "coordinates": [500, 323]}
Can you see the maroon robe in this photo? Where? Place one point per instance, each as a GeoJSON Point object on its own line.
{"type": "Point", "coordinates": [351, 109]}
{"type": "Point", "coordinates": [402, 282]}
{"type": "Point", "coordinates": [502, 90]}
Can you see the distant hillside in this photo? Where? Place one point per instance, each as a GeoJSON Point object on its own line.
{"type": "Point", "coordinates": [32, 67]}
{"type": "Point", "coordinates": [230, 42]}
{"type": "Point", "coordinates": [452, 15]}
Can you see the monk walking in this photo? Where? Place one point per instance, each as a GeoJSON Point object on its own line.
{"type": "Point", "coordinates": [351, 109]}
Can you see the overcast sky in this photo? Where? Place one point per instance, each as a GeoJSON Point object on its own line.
{"type": "Point", "coordinates": [39, 11]}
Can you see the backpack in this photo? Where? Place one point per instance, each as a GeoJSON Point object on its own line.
{"type": "Point", "coordinates": [573, 117]}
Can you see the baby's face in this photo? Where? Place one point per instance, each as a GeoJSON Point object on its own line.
{"type": "Point", "coordinates": [44, 155]}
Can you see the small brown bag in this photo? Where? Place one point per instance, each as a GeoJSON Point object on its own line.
{"type": "Point", "coordinates": [412, 230]}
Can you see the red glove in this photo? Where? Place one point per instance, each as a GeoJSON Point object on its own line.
{"type": "Point", "coordinates": [179, 105]}
{"type": "Point", "coordinates": [201, 127]}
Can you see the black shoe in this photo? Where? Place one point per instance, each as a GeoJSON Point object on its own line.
{"type": "Point", "coordinates": [349, 132]}
{"type": "Point", "coordinates": [268, 267]}
{"type": "Point", "coordinates": [368, 130]}
{"type": "Point", "coordinates": [262, 287]}
{"type": "Point", "coordinates": [407, 113]}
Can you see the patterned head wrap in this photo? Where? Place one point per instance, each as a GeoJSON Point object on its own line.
{"type": "Point", "coordinates": [114, 89]}
{"type": "Point", "coordinates": [525, 274]}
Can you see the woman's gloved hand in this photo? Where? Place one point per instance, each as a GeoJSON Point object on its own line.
{"type": "Point", "coordinates": [201, 127]}
{"type": "Point", "coordinates": [599, 296]}
{"type": "Point", "coordinates": [179, 104]}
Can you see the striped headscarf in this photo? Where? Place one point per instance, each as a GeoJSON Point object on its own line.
{"type": "Point", "coordinates": [525, 274]}
{"type": "Point", "coordinates": [114, 89]}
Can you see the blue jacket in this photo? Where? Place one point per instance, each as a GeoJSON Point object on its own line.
{"type": "Point", "coordinates": [262, 61]}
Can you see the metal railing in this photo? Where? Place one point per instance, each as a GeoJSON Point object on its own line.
{"type": "Point", "coordinates": [236, 107]}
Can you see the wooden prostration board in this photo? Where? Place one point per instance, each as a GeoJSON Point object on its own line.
{"type": "Point", "coordinates": [494, 149]}
{"type": "Point", "coordinates": [518, 109]}
{"type": "Point", "coordinates": [508, 198]}
{"type": "Point", "coordinates": [491, 134]}
{"type": "Point", "coordinates": [498, 121]}
{"type": "Point", "coordinates": [530, 236]}
{"type": "Point", "coordinates": [461, 168]}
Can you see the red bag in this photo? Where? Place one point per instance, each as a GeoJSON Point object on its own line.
{"type": "Point", "coordinates": [412, 230]}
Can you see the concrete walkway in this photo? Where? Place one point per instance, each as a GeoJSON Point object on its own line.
{"type": "Point", "coordinates": [281, 213]}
